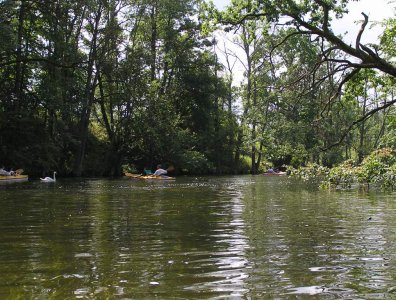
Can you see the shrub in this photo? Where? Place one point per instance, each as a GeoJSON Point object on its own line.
{"type": "Point", "coordinates": [195, 162]}
{"type": "Point", "coordinates": [312, 170]}
{"type": "Point", "coordinates": [377, 168]}
{"type": "Point", "coordinates": [389, 178]}
{"type": "Point", "coordinates": [343, 175]}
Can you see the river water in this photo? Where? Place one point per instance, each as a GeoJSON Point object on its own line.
{"type": "Point", "coordinates": [249, 237]}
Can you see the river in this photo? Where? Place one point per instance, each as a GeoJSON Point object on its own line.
{"type": "Point", "coordinates": [247, 237]}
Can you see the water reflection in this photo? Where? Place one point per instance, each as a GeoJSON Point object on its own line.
{"type": "Point", "coordinates": [229, 237]}
{"type": "Point", "coordinates": [229, 258]}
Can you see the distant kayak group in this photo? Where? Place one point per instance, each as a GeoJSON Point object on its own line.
{"type": "Point", "coordinates": [159, 174]}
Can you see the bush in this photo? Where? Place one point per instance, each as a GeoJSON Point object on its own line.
{"type": "Point", "coordinates": [311, 171]}
{"type": "Point", "coordinates": [288, 155]}
{"type": "Point", "coordinates": [343, 175]}
{"type": "Point", "coordinates": [375, 167]}
{"type": "Point", "coordinates": [378, 168]}
{"type": "Point", "coordinates": [389, 178]}
{"type": "Point", "coordinates": [194, 162]}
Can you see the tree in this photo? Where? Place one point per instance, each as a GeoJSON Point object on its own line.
{"type": "Point", "coordinates": [313, 18]}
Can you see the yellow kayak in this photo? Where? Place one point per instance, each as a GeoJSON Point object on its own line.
{"type": "Point", "coordinates": [13, 178]}
{"type": "Point", "coordinates": [148, 177]}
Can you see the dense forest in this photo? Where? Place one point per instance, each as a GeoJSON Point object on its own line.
{"type": "Point", "coordinates": [96, 87]}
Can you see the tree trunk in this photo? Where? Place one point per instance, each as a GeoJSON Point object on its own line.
{"type": "Point", "coordinates": [361, 151]}
{"type": "Point", "coordinates": [247, 104]}
{"type": "Point", "coordinates": [153, 17]}
{"type": "Point", "coordinates": [90, 86]}
{"type": "Point", "coordinates": [18, 84]}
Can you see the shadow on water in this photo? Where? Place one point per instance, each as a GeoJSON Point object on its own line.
{"type": "Point", "coordinates": [207, 237]}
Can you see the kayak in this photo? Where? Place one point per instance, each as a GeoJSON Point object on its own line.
{"type": "Point", "coordinates": [274, 173]}
{"type": "Point", "coordinates": [13, 178]}
{"type": "Point", "coordinates": [148, 177]}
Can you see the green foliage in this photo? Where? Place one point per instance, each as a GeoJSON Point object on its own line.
{"type": "Point", "coordinates": [287, 154]}
{"type": "Point", "coordinates": [375, 166]}
{"type": "Point", "coordinates": [388, 178]}
{"type": "Point", "coordinates": [245, 164]}
{"type": "Point", "coordinates": [194, 162]}
{"type": "Point", "coordinates": [85, 83]}
{"type": "Point", "coordinates": [388, 38]}
{"type": "Point", "coordinates": [343, 175]}
{"type": "Point", "coordinates": [85, 86]}
{"type": "Point", "coordinates": [131, 168]}
{"type": "Point", "coordinates": [389, 138]}
{"type": "Point", "coordinates": [377, 169]}
{"type": "Point", "coordinates": [310, 171]}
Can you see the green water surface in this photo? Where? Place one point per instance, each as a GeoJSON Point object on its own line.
{"type": "Point", "coordinates": [248, 237]}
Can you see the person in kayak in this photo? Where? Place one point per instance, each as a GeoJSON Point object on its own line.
{"type": "Point", "coordinates": [160, 171]}
{"type": "Point", "coordinates": [6, 173]}
{"type": "Point", "coordinates": [147, 171]}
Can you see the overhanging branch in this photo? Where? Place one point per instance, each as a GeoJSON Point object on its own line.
{"type": "Point", "coordinates": [363, 118]}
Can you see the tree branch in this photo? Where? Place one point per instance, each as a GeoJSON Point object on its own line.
{"type": "Point", "coordinates": [326, 9]}
{"type": "Point", "coordinates": [363, 118]}
{"type": "Point", "coordinates": [359, 36]}
{"type": "Point", "coordinates": [348, 77]}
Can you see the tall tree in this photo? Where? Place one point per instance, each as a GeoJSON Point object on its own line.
{"type": "Point", "coordinates": [93, 31]}
{"type": "Point", "coordinates": [313, 18]}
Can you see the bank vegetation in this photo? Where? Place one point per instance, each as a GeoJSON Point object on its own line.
{"type": "Point", "coordinates": [90, 88]}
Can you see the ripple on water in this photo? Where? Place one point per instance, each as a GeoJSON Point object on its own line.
{"type": "Point", "coordinates": [221, 238]}
{"type": "Point", "coordinates": [307, 290]}
{"type": "Point", "coordinates": [83, 255]}
{"type": "Point", "coordinates": [329, 269]}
